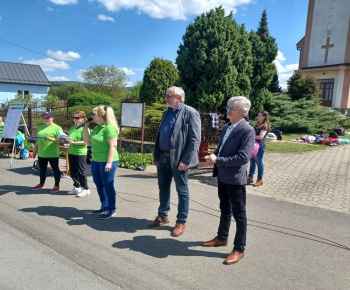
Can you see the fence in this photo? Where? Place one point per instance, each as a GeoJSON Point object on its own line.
{"type": "Point", "coordinates": [209, 136]}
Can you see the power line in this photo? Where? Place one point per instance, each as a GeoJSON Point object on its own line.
{"type": "Point", "coordinates": [42, 54]}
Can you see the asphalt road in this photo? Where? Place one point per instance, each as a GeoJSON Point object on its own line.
{"type": "Point", "coordinates": [51, 241]}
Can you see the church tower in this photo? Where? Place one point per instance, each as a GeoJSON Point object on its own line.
{"type": "Point", "coordinates": [325, 51]}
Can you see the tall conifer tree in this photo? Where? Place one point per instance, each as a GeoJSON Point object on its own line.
{"type": "Point", "coordinates": [214, 61]}
{"type": "Point", "coordinates": [264, 50]}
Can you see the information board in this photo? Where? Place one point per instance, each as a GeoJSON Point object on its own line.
{"type": "Point", "coordinates": [132, 115]}
{"type": "Point", "coordinates": [13, 117]}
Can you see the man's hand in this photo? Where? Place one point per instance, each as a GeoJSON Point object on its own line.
{"type": "Point", "coordinates": [210, 159]}
{"type": "Point", "coordinates": [182, 167]}
{"type": "Point", "coordinates": [154, 162]}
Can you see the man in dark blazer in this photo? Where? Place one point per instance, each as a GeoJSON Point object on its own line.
{"type": "Point", "coordinates": [176, 149]}
{"type": "Point", "coordinates": [230, 166]}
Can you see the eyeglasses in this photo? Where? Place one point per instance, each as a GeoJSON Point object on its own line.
{"type": "Point", "coordinates": [76, 118]}
{"type": "Point", "coordinates": [167, 96]}
{"type": "Point", "coordinates": [93, 114]}
{"type": "Point", "coordinates": [231, 108]}
{"type": "Point", "coordinates": [46, 118]}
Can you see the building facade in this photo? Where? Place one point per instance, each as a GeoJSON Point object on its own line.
{"type": "Point", "coordinates": [17, 78]}
{"type": "Point", "coordinates": [325, 51]}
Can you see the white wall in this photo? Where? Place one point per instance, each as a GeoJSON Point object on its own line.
{"type": "Point", "coordinates": [8, 91]}
{"type": "Point", "coordinates": [337, 24]}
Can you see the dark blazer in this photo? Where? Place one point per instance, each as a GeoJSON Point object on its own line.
{"type": "Point", "coordinates": [185, 139]}
{"type": "Point", "coordinates": [231, 165]}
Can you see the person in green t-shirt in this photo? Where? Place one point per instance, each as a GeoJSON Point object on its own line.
{"type": "Point", "coordinates": [1, 126]}
{"type": "Point", "coordinates": [103, 141]}
{"type": "Point", "coordinates": [47, 148]}
{"type": "Point", "coordinates": [77, 152]}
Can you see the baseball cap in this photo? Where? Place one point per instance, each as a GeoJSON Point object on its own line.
{"type": "Point", "coordinates": [49, 114]}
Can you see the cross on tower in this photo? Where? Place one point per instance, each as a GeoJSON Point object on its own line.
{"type": "Point", "coordinates": [326, 46]}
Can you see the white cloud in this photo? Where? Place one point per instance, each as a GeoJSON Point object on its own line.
{"type": "Point", "coordinates": [64, 2]}
{"type": "Point", "coordinates": [91, 54]}
{"type": "Point", "coordinates": [79, 77]}
{"type": "Point", "coordinates": [0, 18]}
{"type": "Point", "coordinates": [128, 72]}
{"type": "Point", "coordinates": [49, 8]}
{"type": "Point", "coordinates": [58, 79]}
{"type": "Point", "coordinates": [105, 18]}
{"type": "Point", "coordinates": [70, 55]}
{"type": "Point", "coordinates": [177, 10]}
{"type": "Point", "coordinates": [284, 72]}
{"type": "Point", "coordinates": [48, 64]}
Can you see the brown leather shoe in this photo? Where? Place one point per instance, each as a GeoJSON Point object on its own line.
{"type": "Point", "coordinates": [250, 180]}
{"type": "Point", "coordinates": [158, 222]}
{"type": "Point", "coordinates": [258, 182]}
{"type": "Point", "coordinates": [214, 243]}
{"type": "Point", "coordinates": [179, 230]}
{"type": "Point", "coordinates": [234, 257]}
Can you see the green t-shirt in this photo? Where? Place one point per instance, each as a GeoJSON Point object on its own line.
{"type": "Point", "coordinates": [99, 143]}
{"type": "Point", "coordinates": [77, 135]}
{"type": "Point", "coordinates": [46, 148]}
{"type": "Point", "coordinates": [1, 128]}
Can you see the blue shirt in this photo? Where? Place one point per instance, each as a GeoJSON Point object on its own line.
{"type": "Point", "coordinates": [167, 127]}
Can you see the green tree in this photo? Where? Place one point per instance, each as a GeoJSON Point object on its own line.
{"type": "Point", "coordinates": [106, 79]}
{"type": "Point", "coordinates": [159, 75]}
{"type": "Point", "coordinates": [89, 98]}
{"type": "Point", "coordinates": [214, 60]}
{"type": "Point", "coordinates": [135, 91]}
{"type": "Point", "coordinates": [264, 51]}
{"type": "Point", "coordinates": [275, 87]}
{"type": "Point", "coordinates": [29, 100]}
{"type": "Point", "coordinates": [51, 101]}
{"type": "Point", "coordinates": [302, 87]}
{"type": "Point", "coordinates": [66, 90]}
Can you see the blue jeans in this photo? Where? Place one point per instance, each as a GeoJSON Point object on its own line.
{"type": "Point", "coordinates": [258, 160]}
{"type": "Point", "coordinates": [105, 184]}
{"type": "Point", "coordinates": [165, 175]}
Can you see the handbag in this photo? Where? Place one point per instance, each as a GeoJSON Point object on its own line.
{"type": "Point", "coordinates": [255, 149]}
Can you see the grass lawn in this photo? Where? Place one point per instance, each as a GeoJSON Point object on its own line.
{"type": "Point", "coordinates": [289, 146]}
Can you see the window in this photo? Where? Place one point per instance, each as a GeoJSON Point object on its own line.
{"type": "Point", "coordinates": [23, 92]}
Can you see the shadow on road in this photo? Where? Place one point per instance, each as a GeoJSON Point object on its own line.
{"type": "Point", "coordinates": [162, 248]}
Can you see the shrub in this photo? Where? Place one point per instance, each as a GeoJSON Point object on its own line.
{"type": "Point", "coordinates": [89, 99]}
{"type": "Point", "coordinates": [131, 160]}
{"type": "Point", "coordinates": [304, 116]}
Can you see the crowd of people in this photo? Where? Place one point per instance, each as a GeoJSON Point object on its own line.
{"type": "Point", "coordinates": [176, 150]}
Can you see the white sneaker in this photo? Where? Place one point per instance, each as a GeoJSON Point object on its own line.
{"type": "Point", "coordinates": [75, 190]}
{"type": "Point", "coordinates": [84, 192]}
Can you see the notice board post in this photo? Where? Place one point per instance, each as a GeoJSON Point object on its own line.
{"type": "Point", "coordinates": [132, 116]}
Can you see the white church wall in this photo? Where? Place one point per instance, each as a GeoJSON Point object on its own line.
{"type": "Point", "coordinates": [327, 20]}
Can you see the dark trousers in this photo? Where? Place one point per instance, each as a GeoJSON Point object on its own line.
{"type": "Point", "coordinates": [232, 202]}
{"type": "Point", "coordinates": [77, 165]}
{"type": "Point", "coordinates": [43, 168]}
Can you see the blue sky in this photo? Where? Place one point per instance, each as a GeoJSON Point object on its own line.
{"type": "Point", "coordinates": [129, 33]}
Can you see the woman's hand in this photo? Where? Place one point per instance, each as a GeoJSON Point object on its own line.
{"type": "Point", "coordinates": [108, 166]}
{"type": "Point", "coordinates": [50, 139]}
{"type": "Point", "coordinates": [68, 140]}
{"type": "Point", "coordinates": [34, 152]}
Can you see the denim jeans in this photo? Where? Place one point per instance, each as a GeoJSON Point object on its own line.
{"type": "Point", "coordinates": [165, 175]}
{"type": "Point", "coordinates": [233, 202]}
{"type": "Point", "coordinates": [105, 184]}
{"type": "Point", "coordinates": [258, 160]}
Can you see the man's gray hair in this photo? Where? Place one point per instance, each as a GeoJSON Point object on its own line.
{"type": "Point", "coordinates": [243, 103]}
{"type": "Point", "coordinates": [178, 92]}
